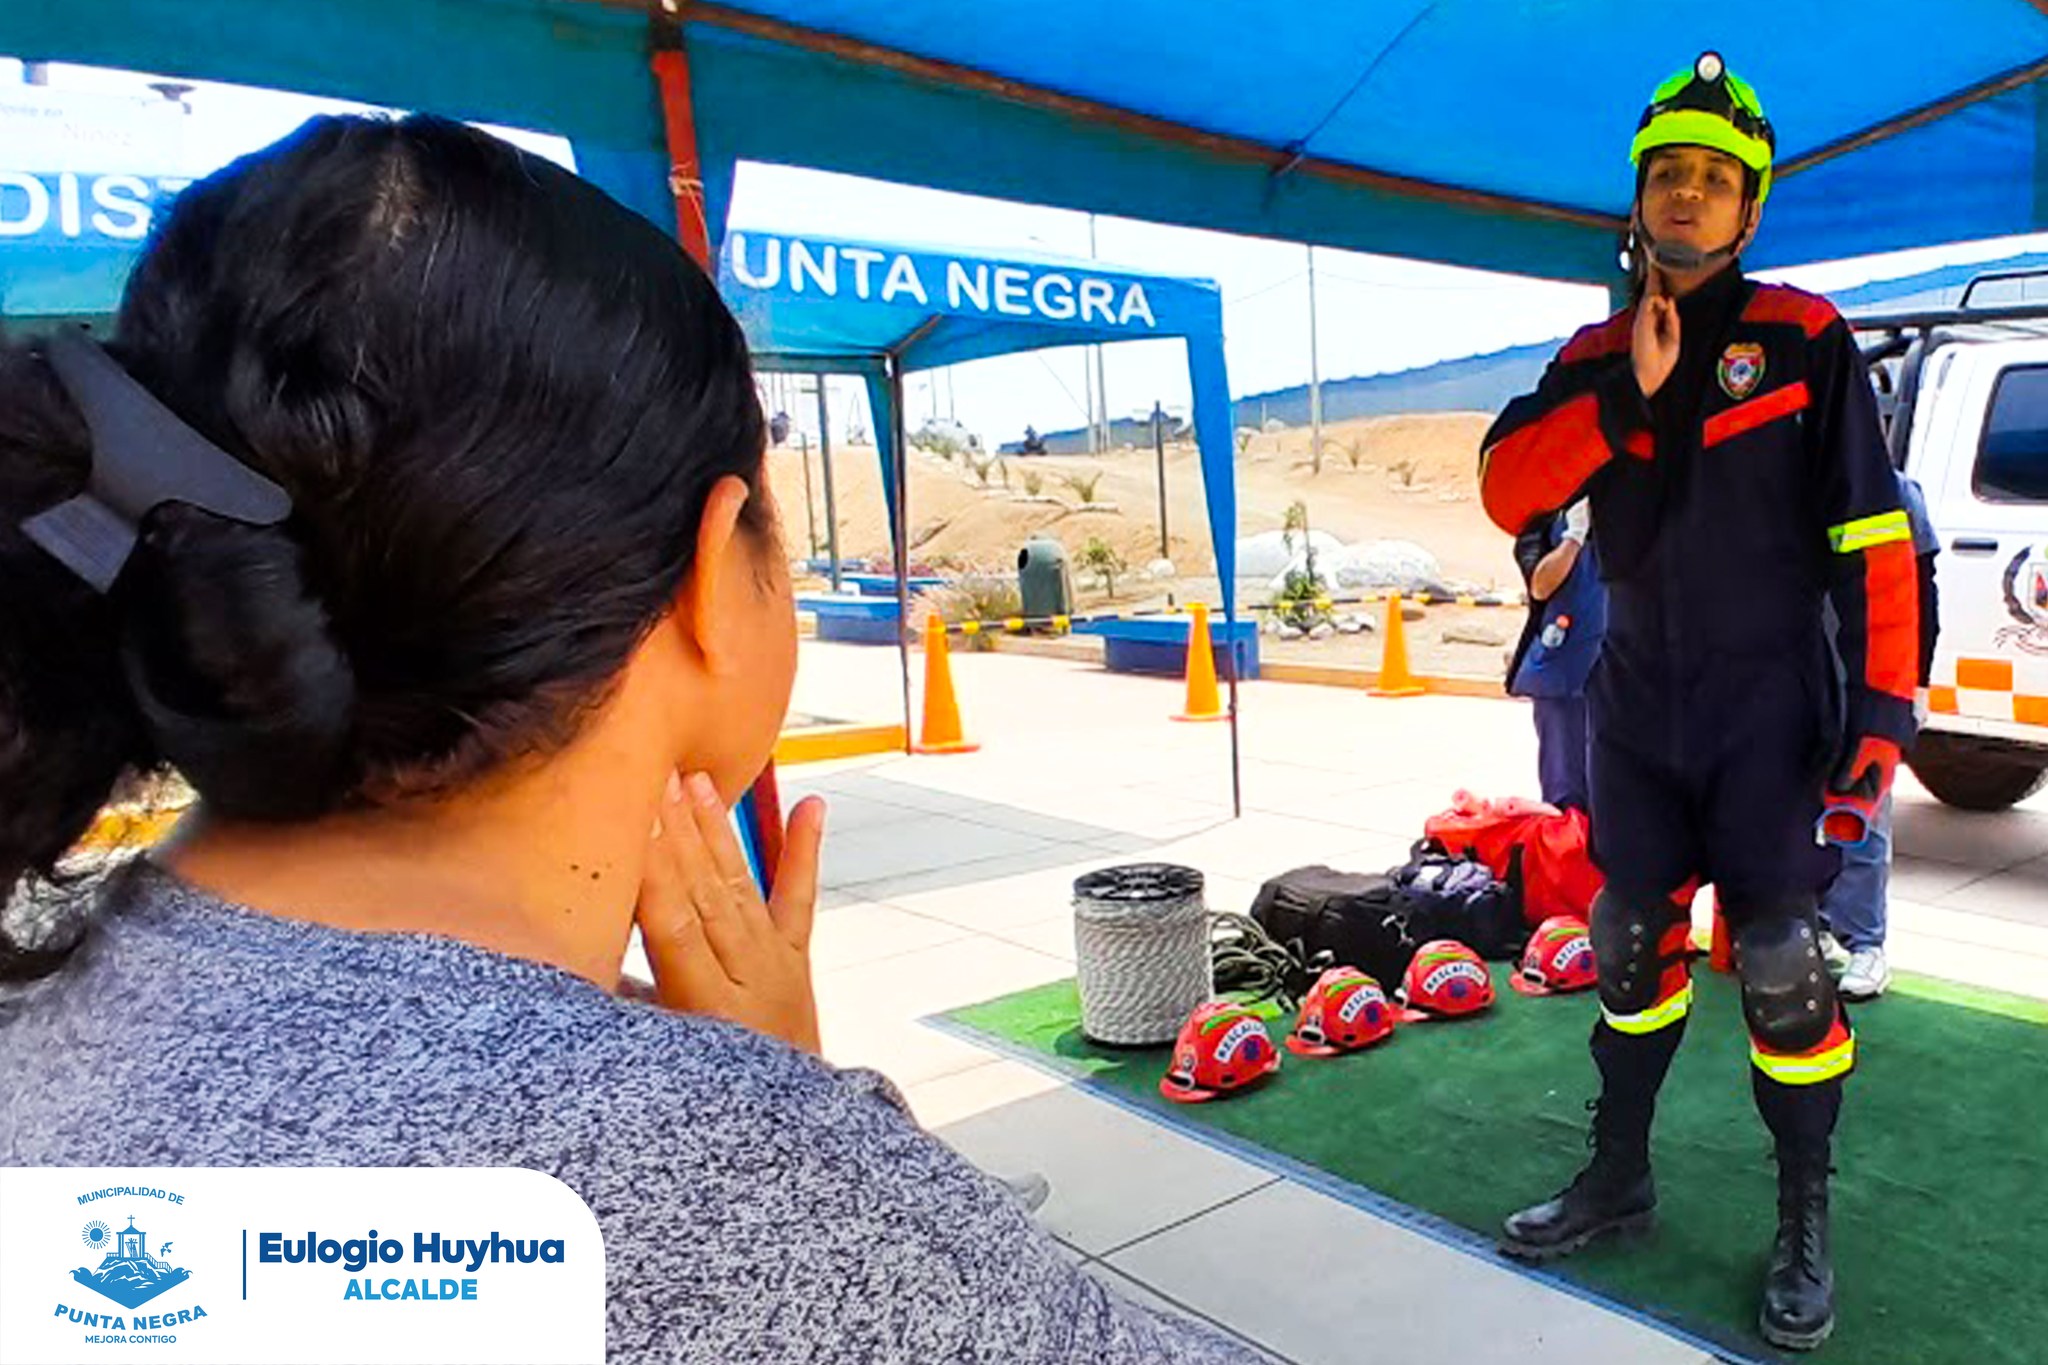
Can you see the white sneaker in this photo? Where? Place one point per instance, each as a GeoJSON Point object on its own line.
{"type": "Point", "coordinates": [1833, 954]}
{"type": "Point", "coordinates": [1868, 975]}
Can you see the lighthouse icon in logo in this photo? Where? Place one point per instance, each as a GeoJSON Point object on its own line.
{"type": "Point", "coordinates": [129, 1275]}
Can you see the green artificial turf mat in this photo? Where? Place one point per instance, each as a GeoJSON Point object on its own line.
{"type": "Point", "coordinates": [1940, 1203]}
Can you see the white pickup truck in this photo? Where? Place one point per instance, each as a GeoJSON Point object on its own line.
{"type": "Point", "coordinates": [1965, 396]}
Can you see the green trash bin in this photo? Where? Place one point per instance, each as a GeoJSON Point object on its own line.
{"type": "Point", "coordinates": [1044, 586]}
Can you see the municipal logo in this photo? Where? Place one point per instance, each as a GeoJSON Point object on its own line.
{"type": "Point", "coordinates": [129, 1273]}
{"type": "Point", "coordinates": [1741, 369]}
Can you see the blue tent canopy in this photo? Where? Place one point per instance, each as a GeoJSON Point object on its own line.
{"type": "Point", "coordinates": [1451, 130]}
{"type": "Point", "coordinates": [826, 305]}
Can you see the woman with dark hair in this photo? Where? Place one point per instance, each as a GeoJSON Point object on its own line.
{"type": "Point", "coordinates": [415, 517]}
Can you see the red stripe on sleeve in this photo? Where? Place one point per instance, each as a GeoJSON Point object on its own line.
{"type": "Point", "coordinates": [1538, 468]}
{"type": "Point", "coordinates": [1891, 597]}
{"type": "Point", "coordinates": [1601, 339]}
{"type": "Point", "coordinates": [1782, 303]}
{"type": "Point", "coordinates": [1782, 402]}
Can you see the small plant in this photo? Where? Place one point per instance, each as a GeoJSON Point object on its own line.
{"type": "Point", "coordinates": [1033, 483]}
{"type": "Point", "coordinates": [1099, 557]}
{"type": "Point", "coordinates": [1083, 485]}
{"type": "Point", "coordinates": [980, 467]}
{"type": "Point", "coordinates": [1003, 469]}
{"type": "Point", "coordinates": [1295, 522]}
{"type": "Point", "coordinates": [939, 443]}
{"type": "Point", "coordinates": [1404, 470]}
{"type": "Point", "coordinates": [1354, 451]}
{"type": "Point", "coordinates": [1244, 440]}
{"type": "Point", "coordinates": [1303, 599]}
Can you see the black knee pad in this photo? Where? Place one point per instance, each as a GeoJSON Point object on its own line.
{"type": "Point", "coordinates": [1787, 995]}
{"type": "Point", "coordinates": [1627, 929]}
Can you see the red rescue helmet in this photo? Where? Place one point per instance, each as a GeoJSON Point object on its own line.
{"type": "Point", "coordinates": [1446, 979]}
{"type": "Point", "coordinates": [1222, 1048]}
{"type": "Point", "coordinates": [1345, 1010]}
{"type": "Point", "coordinates": [1558, 960]}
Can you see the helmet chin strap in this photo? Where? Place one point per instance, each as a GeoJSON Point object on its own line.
{"type": "Point", "coordinates": [1681, 257]}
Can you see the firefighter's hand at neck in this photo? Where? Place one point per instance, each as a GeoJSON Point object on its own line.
{"type": "Point", "coordinates": [1654, 348]}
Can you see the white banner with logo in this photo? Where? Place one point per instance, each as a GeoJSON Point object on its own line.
{"type": "Point", "coordinates": [297, 1266]}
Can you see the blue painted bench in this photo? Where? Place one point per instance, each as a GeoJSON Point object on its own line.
{"type": "Point", "coordinates": [1159, 644]}
{"type": "Point", "coordinates": [853, 620]}
{"type": "Point", "coordinates": [884, 584]}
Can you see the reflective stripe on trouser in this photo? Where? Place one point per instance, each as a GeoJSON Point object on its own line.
{"type": "Point", "coordinates": [1833, 1056]}
{"type": "Point", "coordinates": [1667, 1011]}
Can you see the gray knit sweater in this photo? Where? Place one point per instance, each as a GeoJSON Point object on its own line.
{"type": "Point", "coordinates": [822, 1224]}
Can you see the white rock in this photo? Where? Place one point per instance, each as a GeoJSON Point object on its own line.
{"type": "Point", "coordinates": [1322, 630]}
{"type": "Point", "coordinates": [1401, 565]}
{"type": "Point", "coordinates": [1271, 552]}
{"type": "Point", "coordinates": [1161, 570]}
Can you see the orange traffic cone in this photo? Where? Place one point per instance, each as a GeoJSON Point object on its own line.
{"type": "Point", "coordinates": [1203, 701]}
{"type": "Point", "coordinates": [1395, 679]}
{"type": "Point", "coordinates": [941, 733]}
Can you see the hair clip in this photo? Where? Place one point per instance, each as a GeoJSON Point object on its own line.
{"type": "Point", "coordinates": [143, 456]}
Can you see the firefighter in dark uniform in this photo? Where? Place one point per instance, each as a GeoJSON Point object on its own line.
{"type": "Point", "coordinates": [1727, 437]}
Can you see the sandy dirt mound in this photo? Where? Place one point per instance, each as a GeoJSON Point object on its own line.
{"type": "Point", "coordinates": [1409, 477]}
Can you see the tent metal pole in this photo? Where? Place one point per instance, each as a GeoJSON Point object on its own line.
{"type": "Point", "coordinates": [1159, 458]}
{"type": "Point", "coordinates": [803, 444]}
{"type": "Point", "coordinates": [671, 66]}
{"type": "Point", "coordinates": [1315, 375]}
{"type": "Point", "coordinates": [831, 502]}
{"type": "Point", "coordinates": [902, 557]}
{"type": "Point", "coordinates": [1101, 442]}
{"type": "Point", "coordinates": [1236, 760]}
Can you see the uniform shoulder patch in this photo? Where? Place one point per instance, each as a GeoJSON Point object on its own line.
{"type": "Point", "coordinates": [1600, 339]}
{"type": "Point", "coordinates": [1781, 303]}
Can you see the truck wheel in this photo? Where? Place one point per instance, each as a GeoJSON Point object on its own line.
{"type": "Point", "coordinates": [1975, 776]}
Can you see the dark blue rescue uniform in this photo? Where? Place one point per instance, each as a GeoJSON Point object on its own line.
{"type": "Point", "coordinates": [1754, 483]}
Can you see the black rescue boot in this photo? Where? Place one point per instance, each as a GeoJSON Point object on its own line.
{"type": "Point", "coordinates": [1615, 1193]}
{"type": "Point", "coordinates": [1799, 1289]}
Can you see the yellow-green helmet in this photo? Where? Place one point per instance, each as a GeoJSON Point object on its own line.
{"type": "Point", "coordinates": [1707, 105]}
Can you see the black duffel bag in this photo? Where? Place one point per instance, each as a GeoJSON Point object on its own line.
{"type": "Point", "coordinates": [1355, 916]}
{"type": "Point", "coordinates": [1440, 895]}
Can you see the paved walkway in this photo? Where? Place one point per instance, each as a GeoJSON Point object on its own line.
{"type": "Point", "coordinates": [949, 883]}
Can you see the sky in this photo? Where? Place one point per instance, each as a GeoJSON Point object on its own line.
{"type": "Point", "coordinates": [1373, 313]}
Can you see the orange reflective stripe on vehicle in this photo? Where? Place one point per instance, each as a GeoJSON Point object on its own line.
{"type": "Point", "coordinates": [1984, 675]}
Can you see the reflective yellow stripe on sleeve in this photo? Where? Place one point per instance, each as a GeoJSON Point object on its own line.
{"type": "Point", "coordinates": [1660, 1015]}
{"type": "Point", "coordinates": [1809, 1070]}
{"type": "Point", "coordinates": [1882, 529]}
